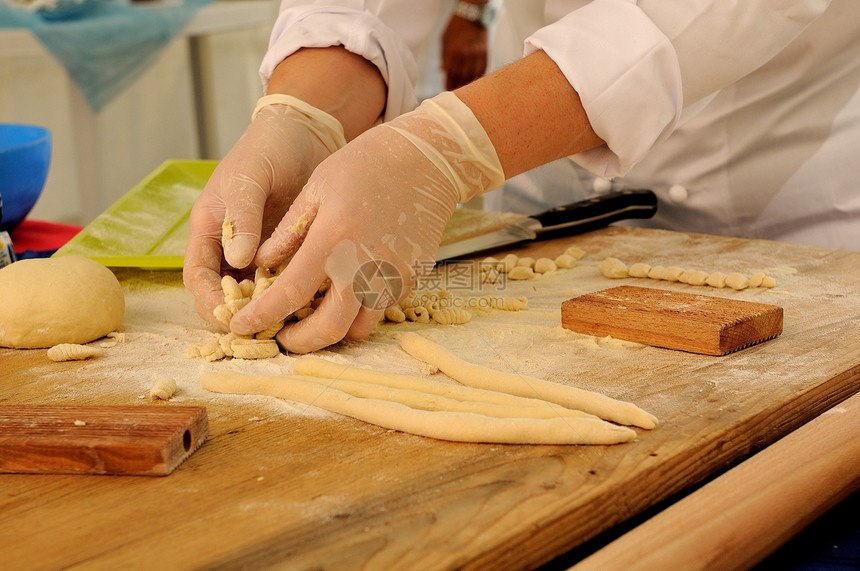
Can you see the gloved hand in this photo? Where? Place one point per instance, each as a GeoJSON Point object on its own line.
{"type": "Point", "coordinates": [251, 189]}
{"type": "Point", "coordinates": [370, 219]}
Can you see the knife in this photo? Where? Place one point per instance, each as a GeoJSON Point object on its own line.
{"type": "Point", "coordinates": [568, 220]}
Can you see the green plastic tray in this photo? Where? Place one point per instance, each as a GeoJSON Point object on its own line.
{"type": "Point", "coordinates": [148, 226]}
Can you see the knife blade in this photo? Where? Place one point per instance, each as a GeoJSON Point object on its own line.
{"type": "Point", "coordinates": [567, 220]}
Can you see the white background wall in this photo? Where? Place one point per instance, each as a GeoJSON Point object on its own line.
{"type": "Point", "coordinates": [148, 123]}
{"type": "Point", "coordinates": [152, 120]}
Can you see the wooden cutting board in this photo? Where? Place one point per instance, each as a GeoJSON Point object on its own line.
{"type": "Point", "coordinates": [278, 485]}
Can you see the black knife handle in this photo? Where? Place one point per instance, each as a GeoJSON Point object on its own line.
{"type": "Point", "coordinates": [594, 213]}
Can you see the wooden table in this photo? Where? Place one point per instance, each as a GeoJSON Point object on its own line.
{"type": "Point", "coordinates": [275, 485]}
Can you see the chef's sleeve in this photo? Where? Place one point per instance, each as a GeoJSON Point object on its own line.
{"type": "Point", "coordinates": [642, 67]}
{"type": "Point", "coordinates": [364, 28]}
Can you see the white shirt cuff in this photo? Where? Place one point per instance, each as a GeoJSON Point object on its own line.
{"type": "Point", "coordinates": [357, 31]}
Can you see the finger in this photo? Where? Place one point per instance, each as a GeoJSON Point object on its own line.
{"type": "Point", "coordinates": [326, 326]}
{"type": "Point", "coordinates": [281, 299]}
{"type": "Point", "coordinates": [245, 201]}
{"type": "Point", "coordinates": [290, 232]}
{"type": "Point", "coordinates": [291, 290]}
{"type": "Point", "coordinates": [201, 270]}
{"type": "Point", "coordinates": [364, 324]}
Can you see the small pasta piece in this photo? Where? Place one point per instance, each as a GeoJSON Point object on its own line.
{"type": "Point", "coordinates": [418, 314]}
{"type": "Point", "coordinates": [639, 270]}
{"type": "Point", "coordinates": [247, 287]}
{"type": "Point", "coordinates": [716, 279]}
{"type": "Point", "coordinates": [72, 352]}
{"type": "Point", "coordinates": [231, 289]}
{"type": "Point", "coordinates": [694, 277]}
{"type": "Point", "coordinates": [521, 273]}
{"type": "Point", "coordinates": [565, 261]}
{"type": "Point", "coordinates": [526, 262]}
{"type": "Point", "coordinates": [544, 265]}
{"type": "Point", "coordinates": [672, 274]}
{"type": "Point", "coordinates": [163, 389]}
{"type": "Point", "coordinates": [768, 282]}
{"type": "Point", "coordinates": [575, 252]}
{"type": "Point", "coordinates": [756, 279]}
{"type": "Point", "coordinates": [223, 314]}
{"type": "Point", "coordinates": [260, 286]}
{"type": "Point", "coordinates": [270, 332]}
{"type": "Point", "coordinates": [395, 314]}
{"type": "Point", "coordinates": [236, 304]}
{"type": "Point", "coordinates": [510, 262]}
{"type": "Point", "coordinates": [656, 272]}
{"type": "Point", "coordinates": [613, 268]}
{"type": "Point", "coordinates": [255, 349]}
{"type": "Point", "coordinates": [737, 281]}
{"type": "Point", "coordinates": [262, 274]}
{"type": "Point", "coordinates": [209, 351]}
{"type": "Point", "coordinates": [451, 316]}
{"type": "Point", "coordinates": [225, 342]}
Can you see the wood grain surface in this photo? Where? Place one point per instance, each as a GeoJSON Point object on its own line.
{"type": "Point", "coordinates": [736, 520]}
{"type": "Point", "coordinates": [95, 439]}
{"type": "Point", "coordinates": [671, 319]}
{"type": "Point", "coordinates": [320, 491]}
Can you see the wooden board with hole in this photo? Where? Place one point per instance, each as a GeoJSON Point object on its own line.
{"type": "Point", "coordinates": [675, 320]}
{"type": "Point", "coordinates": [129, 440]}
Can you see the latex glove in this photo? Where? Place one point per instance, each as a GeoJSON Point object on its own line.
{"type": "Point", "coordinates": [372, 212]}
{"type": "Point", "coordinates": [251, 189]}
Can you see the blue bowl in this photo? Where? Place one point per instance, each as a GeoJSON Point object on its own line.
{"type": "Point", "coordinates": [25, 155]}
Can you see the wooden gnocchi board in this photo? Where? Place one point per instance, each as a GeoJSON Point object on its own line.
{"type": "Point", "coordinates": [127, 440]}
{"type": "Point", "coordinates": [276, 486]}
{"type": "Point", "coordinates": [675, 320]}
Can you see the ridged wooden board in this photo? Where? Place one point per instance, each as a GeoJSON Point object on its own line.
{"type": "Point", "coordinates": [671, 319]}
{"type": "Point", "coordinates": [128, 440]}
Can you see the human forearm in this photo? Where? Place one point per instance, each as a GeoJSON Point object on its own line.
{"type": "Point", "coordinates": [531, 114]}
{"type": "Point", "coordinates": [336, 81]}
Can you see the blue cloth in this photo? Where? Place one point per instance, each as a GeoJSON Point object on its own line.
{"type": "Point", "coordinates": [107, 45]}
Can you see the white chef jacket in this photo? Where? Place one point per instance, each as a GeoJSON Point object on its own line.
{"type": "Point", "coordinates": [751, 110]}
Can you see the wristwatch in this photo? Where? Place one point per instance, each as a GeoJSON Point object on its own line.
{"type": "Point", "coordinates": [483, 15]}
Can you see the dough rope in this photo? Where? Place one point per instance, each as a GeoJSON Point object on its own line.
{"type": "Point", "coordinates": [320, 368]}
{"type": "Point", "coordinates": [442, 425]}
{"type": "Point", "coordinates": [478, 376]}
{"type": "Point", "coordinates": [434, 402]}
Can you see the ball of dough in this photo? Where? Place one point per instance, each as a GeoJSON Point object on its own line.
{"type": "Point", "coordinates": [48, 301]}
